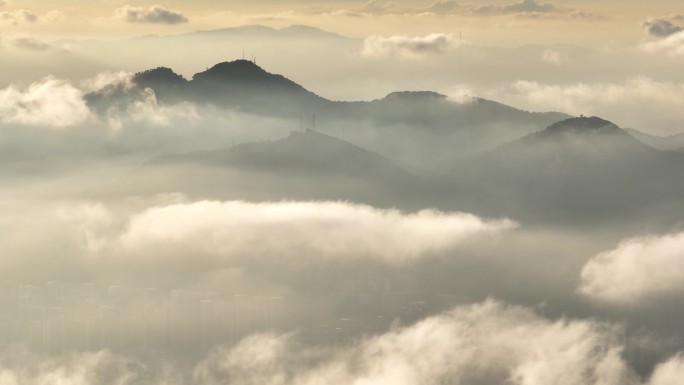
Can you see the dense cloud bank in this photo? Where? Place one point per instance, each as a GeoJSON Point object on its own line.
{"type": "Point", "coordinates": [637, 270]}
{"type": "Point", "coordinates": [486, 343]}
{"type": "Point", "coordinates": [329, 231]}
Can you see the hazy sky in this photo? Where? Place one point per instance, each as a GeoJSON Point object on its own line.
{"type": "Point", "coordinates": [493, 21]}
{"type": "Point", "coordinates": [237, 229]}
{"type": "Point", "coordinates": [617, 59]}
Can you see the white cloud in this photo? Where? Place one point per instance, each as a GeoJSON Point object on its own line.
{"type": "Point", "coordinates": [302, 231]}
{"type": "Point", "coordinates": [157, 14]}
{"type": "Point", "coordinates": [92, 368]}
{"type": "Point", "coordinates": [92, 222]}
{"type": "Point", "coordinates": [636, 270]}
{"type": "Point", "coordinates": [408, 46]}
{"type": "Point", "coordinates": [49, 103]}
{"type": "Point", "coordinates": [644, 103]}
{"type": "Point", "coordinates": [26, 42]}
{"type": "Point", "coordinates": [139, 106]}
{"type": "Point", "coordinates": [107, 81]}
{"type": "Point", "coordinates": [672, 45]}
{"type": "Point", "coordinates": [144, 108]}
{"type": "Point", "coordinates": [18, 16]}
{"type": "Point", "coordinates": [486, 343]}
{"type": "Point", "coordinates": [669, 373]}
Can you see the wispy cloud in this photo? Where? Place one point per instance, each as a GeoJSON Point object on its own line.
{"type": "Point", "coordinates": [443, 7]}
{"type": "Point", "coordinates": [25, 42]}
{"type": "Point", "coordinates": [523, 8]}
{"type": "Point", "coordinates": [634, 102]}
{"type": "Point", "coordinates": [669, 33]}
{"type": "Point", "coordinates": [18, 16]}
{"type": "Point", "coordinates": [157, 14]}
{"type": "Point", "coordinates": [49, 103]}
{"type": "Point", "coordinates": [534, 9]}
{"type": "Point", "coordinates": [487, 343]}
{"type": "Point", "coordinates": [661, 27]}
{"type": "Point", "coordinates": [638, 269]}
{"type": "Point", "coordinates": [407, 45]}
{"type": "Point", "coordinates": [672, 45]}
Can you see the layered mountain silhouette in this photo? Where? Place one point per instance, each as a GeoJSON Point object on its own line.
{"type": "Point", "coordinates": [583, 167]}
{"type": "Point", "coordinates": [419, 130]}
{"type": "Point", "coordinates": [308, 153]}
{"type": "Point", "coordinates": [578, 170]}
{"type": "Point", "coordinates": [666, 143]}
{"type": "Point", "coordinates": [245, 85]}
{"type": "Point", "coordinates": [304, 165]}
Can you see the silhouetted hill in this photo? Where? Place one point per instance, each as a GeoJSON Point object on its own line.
{"type": "Point", "coordinates": [428, 132]}
{"type": "Point", "coordinates": [582, 167]}
{"type": "Point", "coordinates": [244, 84]}
{"type": "Point", "coordinates": [591, 138]}
{"type": "Point", "coordinates": [301, 153]}
{"type": "Point", "coordinates": [167, 85]}
{"type": "Point", "coordinates": [304, 165]}
{"type": "Point", "coordinates": [582, 125]}
{"type": "Point", "coordinates": [418, 106]}
{"type": "Point", "coordinates": [665, 143]}
{"type": "Point", "coordinates": [159, 76]}
{"type": "Point", "coordinates": [423, 131]}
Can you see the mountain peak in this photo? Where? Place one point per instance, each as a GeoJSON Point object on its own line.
{"type": "Point", "coordinates": [237, 69]}
{"type": "Point", "coordinates": [159, 75]}
{"type": "Point", "coordinates": [414, 95]}
{"type": "Point", "coordinates": [583, 125]}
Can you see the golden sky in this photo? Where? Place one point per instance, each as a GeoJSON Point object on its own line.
{"type": "Point", "coordinates": [618, 59]}
{"type": "Point", "coordinates": [491, 22]}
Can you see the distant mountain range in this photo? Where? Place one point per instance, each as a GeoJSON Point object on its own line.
{"type": "Point", "coordinates": [293, 31]}
{"type": "Point", "coordinates": [308, 153]}
{"type": "Point", "coordinates": [665, 143]}
{"type": "Point", "coordinates": [303, 165]}
{"type": "Point", "coordinates": [419, 130]}
{"type": "Point", "coordinates": [582, 167]}
{"type": "Point", "coordinates": [422, 146]}
{"type": "Point", "coordinates": [574, 171]}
